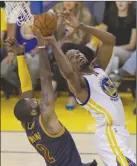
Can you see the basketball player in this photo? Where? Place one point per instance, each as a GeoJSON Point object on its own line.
{"type": "Point", "coordinates": [46, 134]}
{"type": "Point", "coordinates": [96, 93]}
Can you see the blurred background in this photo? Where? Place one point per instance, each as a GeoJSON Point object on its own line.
{"type": "Point", "coordinates": [118, 18]}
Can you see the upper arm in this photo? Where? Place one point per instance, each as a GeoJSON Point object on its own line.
{"type": "Point", "coordinates": [11, 30]}
{"type": "Point", "coordinates": [133, 38]}
{"type": "Point", "coordinates": [104, 55]}
{"type": "Point", "coordinates": [75, 82]}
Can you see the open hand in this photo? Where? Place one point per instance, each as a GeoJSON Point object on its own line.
{"type": "Point", "coordinates": [13, 46]}
{"type": "Point", "coordinates": [70, 20]}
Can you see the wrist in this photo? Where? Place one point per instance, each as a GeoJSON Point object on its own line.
{"type": "Point", "coordinates": [20, 54]}
{"type": "Point", "coordinates": [54, 44]}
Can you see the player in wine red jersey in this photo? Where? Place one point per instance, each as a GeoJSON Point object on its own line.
{"type": "Point", "coordinates": [44, 131]}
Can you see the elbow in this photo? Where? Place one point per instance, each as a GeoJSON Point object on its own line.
{"type": "Point", "coordinates": [68, 75]}
{"type": "Point", "coordinates": [131, 47]}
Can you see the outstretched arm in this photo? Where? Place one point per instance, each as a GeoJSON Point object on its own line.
{"type": "Point", "coordinates": [47, 103]}
{"type": "Point", "coordinates": [24, 76]}
{"type": "Point", "coordinates": [73, 79]}
{"type": "Point", "coordinates": [47, 107]}
{"type": "Point", "coordinates": [108, 42]}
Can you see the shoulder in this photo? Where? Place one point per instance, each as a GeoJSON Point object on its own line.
{"type": "Point", "coordinates": [53, 128]}
{"type": "Point", "coordinates": [99, 70]}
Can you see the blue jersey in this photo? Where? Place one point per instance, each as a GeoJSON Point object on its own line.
{"type": "Point", "coordinates": [57, 150]}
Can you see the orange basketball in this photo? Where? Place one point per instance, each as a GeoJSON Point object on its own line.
{"type": "Point", "coordinates": [46, 23]}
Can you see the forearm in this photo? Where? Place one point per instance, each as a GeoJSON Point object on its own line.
{"type": "Point", "coordinates": [102, 35]}
{"type": "Point", "coordinates": [45, 76]}
{"type": "Point", "coordinates": [127, 47]}
{"type": "Point", "coordinates": [62, 61]}
{"type": "Point", "coordinates": [24, 76]}
{"type": "Point", "coordinates": [11, 32]}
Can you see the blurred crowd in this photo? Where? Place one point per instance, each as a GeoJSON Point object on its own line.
{"type": "Point", "coordinates": [118, 18]}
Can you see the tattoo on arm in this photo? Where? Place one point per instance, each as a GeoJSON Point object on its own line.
{"type": "Point", "coordinates": [46, 78]}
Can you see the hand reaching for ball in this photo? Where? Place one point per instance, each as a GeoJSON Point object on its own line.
{"type": "Point", "coordinates": [43, 41]}
{"type": "Point", "coordinates": [38, 36]}
{"type": "Point", "coordinates": [50, 40]}
{"type": "Point", "coordinates": [46, 23]}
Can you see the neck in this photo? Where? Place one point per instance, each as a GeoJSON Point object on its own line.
{"type": "Point", "coordinates": [123, 13]}
{"type": "Point", "coordinates": [87, 71]}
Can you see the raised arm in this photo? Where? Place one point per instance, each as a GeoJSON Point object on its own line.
{"type": "Point", "coordinates": [47, 103]}
{"type": "Point", "coordinates": [24, 76]}
{"type": "Point", "coordinates": [73, 79]}
{"type": "Point", "coordinates": [47, 106]}
{"type": "Point", "coordinates": [108, 41]}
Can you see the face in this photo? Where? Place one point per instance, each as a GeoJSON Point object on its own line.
{"type": "Point", "coordinates": [77, 59]}
{"type": "Point", "coordinates": [33, 104]}
{"type": "Point", "coordinates": [122, 5]}
{"type": "Point", "coordinates": [69, 5]}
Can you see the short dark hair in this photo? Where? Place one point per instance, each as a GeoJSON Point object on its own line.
{"type": "Point", "coordinates": [88, 52]}
{"type": "Point", "coordinates": [22, 111]}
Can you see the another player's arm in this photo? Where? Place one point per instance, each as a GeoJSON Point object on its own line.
{"type": "Point", "coordinates": [24, 76]}
{"type": "Point", "coordinates": [108, 42]}
{"type": "Point", "coordinates": [45, 75]}
{"type": "Point", "coordinates": [73, 79]}
{"type": "Point", "coordinates": [48, 116]}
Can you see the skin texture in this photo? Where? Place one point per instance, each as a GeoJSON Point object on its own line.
{"type": "Point", "coordinates": [46, 106]}
{"type": "Point", "coordinates": [122, 5]}
{"type": "Point", "coordinates": [71, 66]}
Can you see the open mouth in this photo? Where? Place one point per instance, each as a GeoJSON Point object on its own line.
{"type": "Point", "coordinates": [81, 60]}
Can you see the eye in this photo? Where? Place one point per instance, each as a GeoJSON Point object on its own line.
{"type": "Point", "coordinates": [70, 57]}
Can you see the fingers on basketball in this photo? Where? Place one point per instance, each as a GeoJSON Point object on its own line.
{"type": "Point", "coordinates": [36, 31]}
{"type": "Point", "coordinates": [46, 23]}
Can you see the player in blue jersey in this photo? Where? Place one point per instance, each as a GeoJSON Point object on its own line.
{"type": "Point", "coordinates": [44, 131]}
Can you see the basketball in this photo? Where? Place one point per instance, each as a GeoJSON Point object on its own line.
{"type": "Point", "coordinates": [46, 23]}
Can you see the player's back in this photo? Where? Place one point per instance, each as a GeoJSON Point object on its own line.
{"type": "Point", "coordinates": [59, 150]}
{"type": "Point", "coordinates": [104, 102]}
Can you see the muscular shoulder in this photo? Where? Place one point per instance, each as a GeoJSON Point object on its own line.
{"type": "Point", "coordinates": [52, 127]}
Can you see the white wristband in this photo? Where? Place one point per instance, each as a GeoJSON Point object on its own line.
{"type": "Point", "coordinates": [41, 47]}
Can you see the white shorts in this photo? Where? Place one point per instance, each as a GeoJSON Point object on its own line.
{"type": "Point", "coordinates": [113, 146]}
